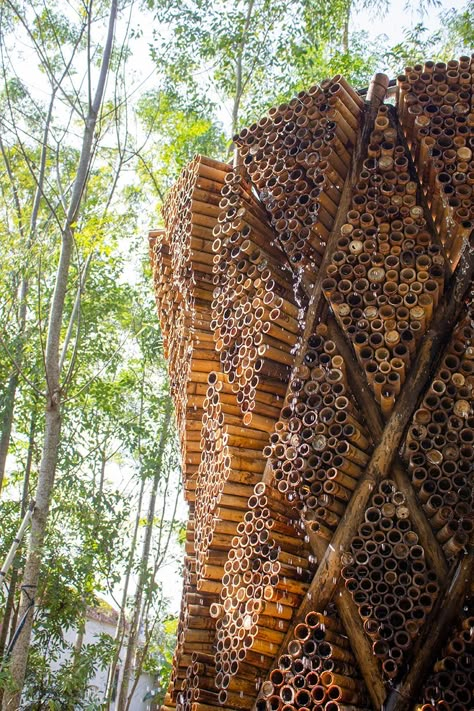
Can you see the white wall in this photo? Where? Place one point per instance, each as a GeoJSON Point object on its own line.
{"type": "Point", "coordinates": [94, 628]}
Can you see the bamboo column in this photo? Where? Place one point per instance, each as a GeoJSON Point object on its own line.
{"type": "Point", "coordinates": [320, 445]}
{"type": "Point", "coordinates": [181, 258]}
{"type": "Point", "coordinates": [255, 309]}
{"type": "Point", "coordinates": [267, 573]}
{"type": "Point", "coordinates": [298, 157]}
{"type": "Point", "coordinates": [435, 105]}
{"type": "Point", "coordinates": [387, 277]}
{"type": "Point", "coordinates": [439, 447]}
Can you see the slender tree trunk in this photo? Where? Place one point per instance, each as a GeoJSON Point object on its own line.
{"type": "Point", "coordinates": [7, 422]}
{"type": "Point", "coordinates": [345, 31]}
{"type": "Point", "coordinates": [8, 411]}
{"type": "Point", "coordinates": [52, 432]}
{"type": "Point", "coordinates": [124, 700]}
{"type": "Point", "coordinates": [10, 616]}
{"type": "Point", "coordinates": [159, 558]}
{"type": "Point", "coordinates": [239, 79]}
{"type": "Point", "coordinates": [120, 629]}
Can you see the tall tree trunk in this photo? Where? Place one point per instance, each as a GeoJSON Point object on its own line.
{"type": "Point", "coordinates": [240, 82]}
{"type": "Point", "coordinates": [120, 628]}
{"type": "Point", "coordinates": [10, 614]}
{"type": "Point", "coordinates": [345, 30]}
{"type": "Point", "coordinates": [159, 558]}
{"type": "Point", "coordinates": [52, 432]}
{"type": "Point", "coordinates": [9, 406]}
{"type": "Point", "coordinates": [124, 700]}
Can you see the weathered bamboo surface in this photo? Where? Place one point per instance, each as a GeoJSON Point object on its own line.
{"type": "Point", "coordinates": [387, 277]}
{"type": "Point", "coordinates": [436, 112]}
{"type": "Point", "coordinates": [439, 447]}
{"type": "Point", "coordinates": [317, 311]}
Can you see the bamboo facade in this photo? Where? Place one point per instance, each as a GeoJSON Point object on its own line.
{"type": "Point", "coordinates": [316, 299]}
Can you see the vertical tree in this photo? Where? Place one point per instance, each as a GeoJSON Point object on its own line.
{"type": "Point", "coordinates": [55, 387]}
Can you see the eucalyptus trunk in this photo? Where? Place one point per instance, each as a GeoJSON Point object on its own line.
{"type": "Point", "coordinates": [10, 613]}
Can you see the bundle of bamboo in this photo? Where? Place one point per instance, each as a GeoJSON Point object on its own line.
{"type": "Point", "coordinates": [266, 575]}
{"type": "Point", "coordinates": [254, 310]}
{"type": "Point", "coordinates": [387, 575]}
{"type": "Point", "coordinates": [317, 670]}
{"type": "Point", "coordinates": [436, 108]}
{"type": "Point", "coordinates": [320, 446]}
{"type": "Point", "coordinates": [194, 619]}
{"type": "Point", "coordinates": [298, 158]}
{"type": "Point", "coordinates": [198, 689]}
{"type": "Point", "coordinates": [439, 447]}
{"type": "Point", "coordinates": [225, 479]}
{"type": "Point", "coordinates": [387, 275]}
{"type": "Point", "coordinates": [181, 258]}
{"type": "Point", "coordinates": [451, 685]}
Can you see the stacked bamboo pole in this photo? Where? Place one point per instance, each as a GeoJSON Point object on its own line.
{"type": "Point", "coordinates": [265, 576]}
{"type": "Point", "coordinates": [181, 259]}
{"type": "Point", "coordinates": [192, 695]}
{"type": "Point", "coordinates": [387, 575]}
{"type": "Point", "coordinates": [436, 108]}
{"type": "Point", "coordinates": [439, 447]}
{"type": "Point", "coordinates": [298, 157]}
{"type": "Point", "coordinates": [194, 625]}
{"type": "Point", "coordinates": [320, 445]}
{"type": "Point", "coordinates": [450, 687]}
{"type": "Point", "coordinates": [254, 310]}
{"type": "Point", "coordinates": [231, 464]}
{"type": "Point", "coordinates": [317, 671]}
{"type": "Point", "coordinates": [387, 276]}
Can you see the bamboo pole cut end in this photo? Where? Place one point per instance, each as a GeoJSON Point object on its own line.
{"type": "Point", "coordinates": [377, 89]}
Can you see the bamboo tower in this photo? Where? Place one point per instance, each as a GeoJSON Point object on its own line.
{"type": "Point", "coordinates": [316, 299]}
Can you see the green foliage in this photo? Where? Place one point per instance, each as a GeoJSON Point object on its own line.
{"type": "Point", "coordinates": [66, 689]}
{"type": "Point", "coordinates": [454, 36]}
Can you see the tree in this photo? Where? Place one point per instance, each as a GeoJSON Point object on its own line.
{"type": "Point", "coordinates": [248, 54]}
{"type": "Point", "coordinates": [143, 574]}
{"type": "Point", "coordinates": [54, 386]}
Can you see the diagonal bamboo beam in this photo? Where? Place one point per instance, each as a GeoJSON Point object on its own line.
{"type": "Point", "coordinates": [433, 635]}
{"type": "Point", "coordinates": [360, 645]}
{"type": "Point", "coordinates": [364, 397]}
{"type": "Point", "coordinates": [326, 578]}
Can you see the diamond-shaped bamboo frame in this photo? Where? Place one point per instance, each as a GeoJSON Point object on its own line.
{"type": "Point", "coordinates": [384, 462]}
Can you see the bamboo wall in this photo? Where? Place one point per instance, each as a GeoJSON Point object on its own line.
{"type": "Point", "coordinates": [316, 300]}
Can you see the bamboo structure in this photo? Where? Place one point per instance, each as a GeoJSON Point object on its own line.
{"type": "Point", "coordinates": [451, 682]}
{"type": "Point", "coordinates": [317, 309]}
{"type": "Point", "coordinates": [387, 276]}
{"type": "Point", "coordinates": [436, 113]}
